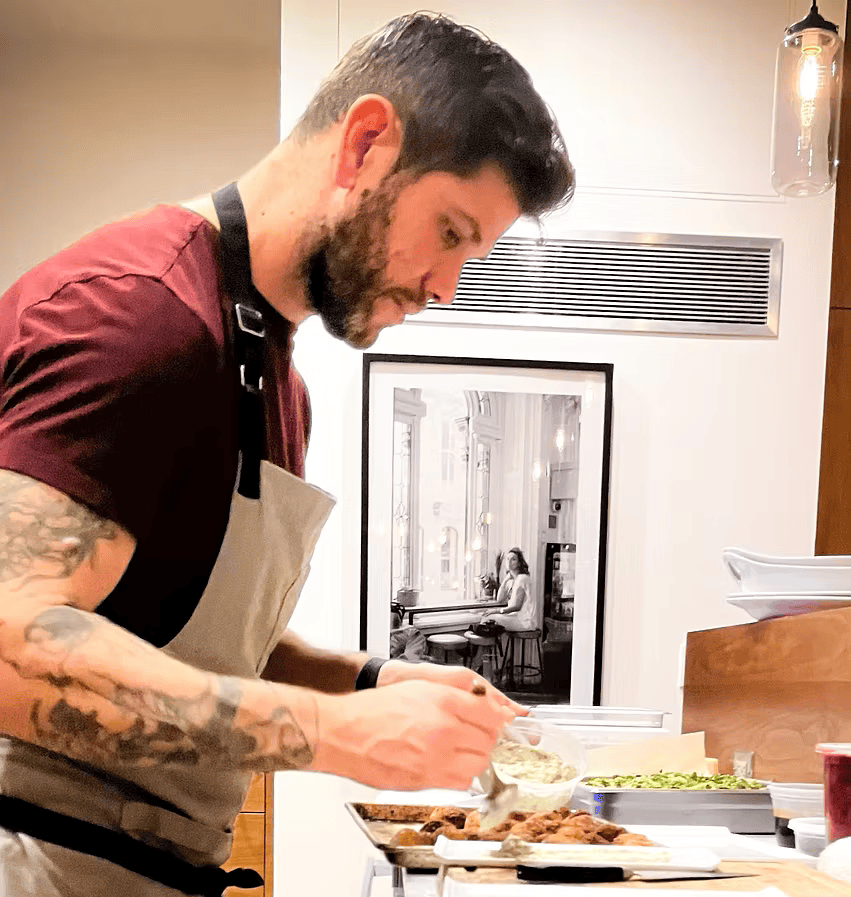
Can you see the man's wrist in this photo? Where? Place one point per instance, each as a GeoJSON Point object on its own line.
{"type": "Point", "coordinates": [368, 675]}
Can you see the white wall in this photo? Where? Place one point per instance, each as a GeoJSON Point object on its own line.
{"type": "Point", "coordinates": [716, 440]}
{"type": "Point", "coordinates": [667, 111]}
{"type": "Point", "coordinates": [94, 130]}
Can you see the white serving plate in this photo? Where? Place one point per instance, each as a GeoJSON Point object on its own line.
{"type": "Point", "coordinates": [486, 853]}
{"type": "Point", "coordinates": [766, 605]}
{"type": "Point", "coordinates": [818, 560]}
{"type": "Point", "coordinates": [758, 573]}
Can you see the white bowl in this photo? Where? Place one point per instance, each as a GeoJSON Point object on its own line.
{"type": "Point", "coordinates": [761, 573]}
{"type": "Point", "coordinates": [766, 605]}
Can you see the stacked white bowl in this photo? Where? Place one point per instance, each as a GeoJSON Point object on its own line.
{"type": "Point", "coordinates": [785, 586]}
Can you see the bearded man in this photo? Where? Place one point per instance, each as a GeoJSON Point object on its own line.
{"type": "Point", "coordinates": [155, 526]}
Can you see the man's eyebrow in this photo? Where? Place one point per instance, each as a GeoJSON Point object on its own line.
{"type": "Point", "coordinates": [476, 235]}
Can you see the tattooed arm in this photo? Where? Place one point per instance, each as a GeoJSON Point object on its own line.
{"type": "Point", "coordinates": [74, 683]}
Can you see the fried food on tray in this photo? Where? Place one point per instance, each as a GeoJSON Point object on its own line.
{"type": "Point", "coordinates": [454, 815]}
{"type": "Point", "coordinates": [395, 812]}
{"type": "Point", "coordinates": [409, 837]}
{"type": "Point", "coordinates": [557, 827]}
{"type": "Point", "coordinates": [633, 840]}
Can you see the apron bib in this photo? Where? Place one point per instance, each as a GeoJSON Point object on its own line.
{"type": "Point", "coordinates": [274, 523]}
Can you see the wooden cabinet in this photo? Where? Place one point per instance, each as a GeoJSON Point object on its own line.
{"type": "Point", "coordinates": [833, 530]}
{"type": "Point", "coordinates": [776, 688]}
{"type": "Point", "coordinates": [252, 843]}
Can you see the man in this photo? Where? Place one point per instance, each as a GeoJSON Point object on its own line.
{"type": "Point", "coordinates": [145, 666]}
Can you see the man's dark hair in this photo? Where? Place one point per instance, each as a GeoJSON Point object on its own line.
{"type": "Point", "coordinates": [463, 101]}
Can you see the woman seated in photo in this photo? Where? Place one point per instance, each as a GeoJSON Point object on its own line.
{"type": "Point", "coordinates": [520, 613]}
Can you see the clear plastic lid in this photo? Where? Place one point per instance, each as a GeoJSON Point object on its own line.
{"type": "Point", "coordinates": [809, 825]}
{"type": "Point", "coordinates": [835, 748]}
{"type": "Point", "coordinates": [598, 716]}
{"type": "Point", "coordinates": [601, 736]}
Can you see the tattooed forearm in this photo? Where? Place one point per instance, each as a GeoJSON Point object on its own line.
{"type": "Point", "coordinates": [43, 534]}
{"type": "Point", "coordinates": [88, 711]}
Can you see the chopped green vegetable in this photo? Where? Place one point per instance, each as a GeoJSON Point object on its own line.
{"type": "Point", "coordinates": [686, 781]}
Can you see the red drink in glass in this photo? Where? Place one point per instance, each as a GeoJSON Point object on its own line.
{"type": "Point", "coordinates": [837, 789]}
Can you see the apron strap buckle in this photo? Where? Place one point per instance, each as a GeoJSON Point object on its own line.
{"type": "Point", "coordinates": [249, 320]}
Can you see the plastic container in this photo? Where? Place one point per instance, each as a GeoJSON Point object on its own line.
{"type": "Point", "coordinates": [599, 716]}
{"type": "Point", "coordinates": [544, 796]}
{"type": "Point", "coordinates": [792, 800]}
{"type": "Point", "coordinates": [604, 736]}
{"type": "Point", "coordinates": [810, 834]}
{"type": "Point", "coordinates": [837, 789]}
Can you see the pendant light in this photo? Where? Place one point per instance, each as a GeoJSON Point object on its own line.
{"type": "Point", "coordinates": [807, 89]}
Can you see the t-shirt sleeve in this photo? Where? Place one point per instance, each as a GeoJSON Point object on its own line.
{"type": "Point", "coordinates": [101, 392]}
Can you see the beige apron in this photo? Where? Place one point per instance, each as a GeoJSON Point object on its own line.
{"type": "Point", "coordinates": [249, 599]}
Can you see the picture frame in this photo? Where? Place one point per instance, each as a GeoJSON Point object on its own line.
{"type": "Point", "coordinates": [463, 460]}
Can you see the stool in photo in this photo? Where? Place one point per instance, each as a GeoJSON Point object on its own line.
{"type": "Point", "coordinates": [484, 654]}
{"type": "Point", "coordinates": [522, 666]}
{"type": "Point", "coordinates": [447, 643]}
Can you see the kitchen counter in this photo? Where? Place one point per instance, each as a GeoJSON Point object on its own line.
{"type": "Point", "coordinates": [789, 871]}
{"type": "Point", "coordinates": [787, 877]}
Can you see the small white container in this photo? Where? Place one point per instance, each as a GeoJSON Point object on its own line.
{"type": "Point", "coordinates": [810, 834]}
{"type": "Point", "coordinates": [791, 801]}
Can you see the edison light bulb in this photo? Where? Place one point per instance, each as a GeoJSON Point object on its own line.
{"type": "Point", "coordinates": [805, 141]}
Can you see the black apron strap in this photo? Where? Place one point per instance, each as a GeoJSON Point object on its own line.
{"type": "Point", "coordinates": [116, 847]}
{"type": "Point", "coordinates": [249, 331]}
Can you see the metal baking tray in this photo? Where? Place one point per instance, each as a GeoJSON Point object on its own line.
{"type": "Point", "coordinates": [745, 812]}
{"type": "Point", "coordinates": [379, 822]}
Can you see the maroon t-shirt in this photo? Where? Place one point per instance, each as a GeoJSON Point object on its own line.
{"type": "Point", "coordinates": [118, 388]}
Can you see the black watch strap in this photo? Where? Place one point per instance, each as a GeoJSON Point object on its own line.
{"type": "Point", "coordinates": [368, 676]}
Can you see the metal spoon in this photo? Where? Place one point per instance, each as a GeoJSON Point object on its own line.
{"type": "Point", "coordinates": [500, 798]}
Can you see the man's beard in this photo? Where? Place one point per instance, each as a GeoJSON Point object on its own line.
{"type": "Point", "coordinates": [345, 268]}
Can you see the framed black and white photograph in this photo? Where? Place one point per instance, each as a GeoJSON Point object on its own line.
{"type": "Point", "coordinates": [484, 518]}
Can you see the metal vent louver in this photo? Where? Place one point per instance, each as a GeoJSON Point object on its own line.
{"type": "Point", "coordinates": [646, 282]}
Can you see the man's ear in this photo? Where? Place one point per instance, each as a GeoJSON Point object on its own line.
{"type": "Point", "coordinates": [370, 141]}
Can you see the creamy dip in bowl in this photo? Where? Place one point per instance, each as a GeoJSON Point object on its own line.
{"type": "Point", "coordinates": [542, 760]}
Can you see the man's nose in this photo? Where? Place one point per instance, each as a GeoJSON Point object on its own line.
{"type": "Point", "coordinates": [441, 285]}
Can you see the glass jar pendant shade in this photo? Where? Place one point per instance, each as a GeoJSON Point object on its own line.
{"type": "Point", "coordinates": [807, 92]}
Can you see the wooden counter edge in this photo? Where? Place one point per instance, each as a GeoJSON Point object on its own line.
{"type": "Point", "coordinates": [793, 878]}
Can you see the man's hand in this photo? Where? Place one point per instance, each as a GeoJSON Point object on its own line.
{"type": "Point", "coordinates": [458, 677]}
{"type": "Point", "coordinates": [410, 735]}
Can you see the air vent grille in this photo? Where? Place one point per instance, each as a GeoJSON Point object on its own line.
{"type": "Point", "coordinates": [668, 283]}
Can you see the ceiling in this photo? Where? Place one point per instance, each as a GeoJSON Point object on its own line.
{"type": "Point", "coordinates": [198, 22]}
